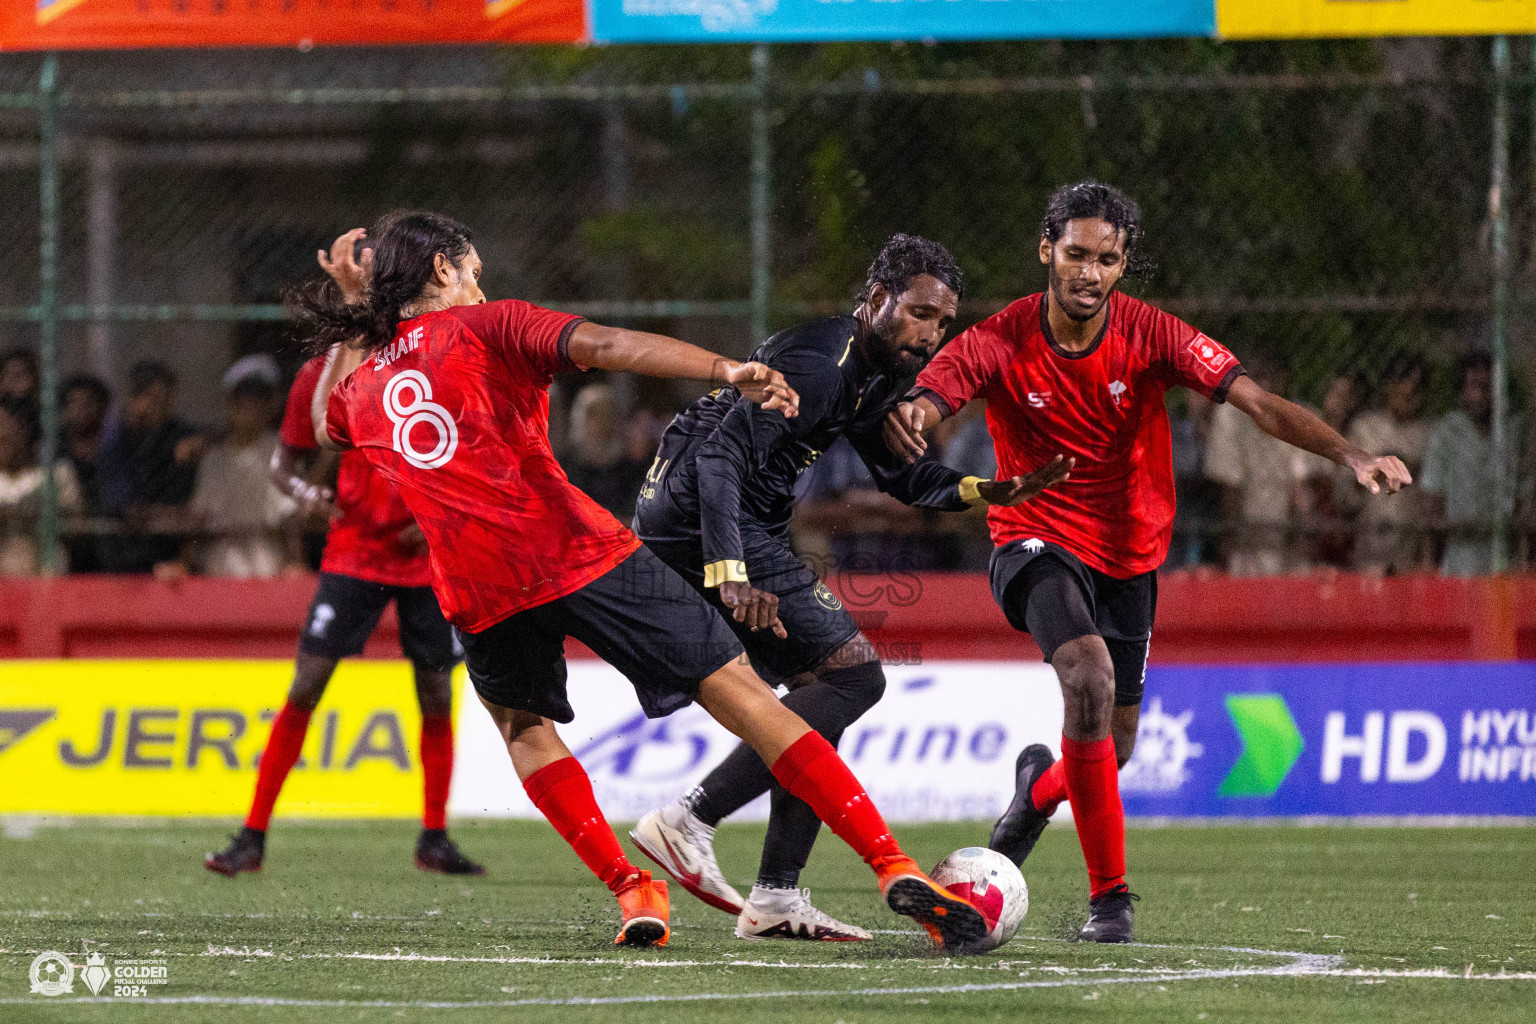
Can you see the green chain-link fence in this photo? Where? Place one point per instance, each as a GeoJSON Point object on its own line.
{"type": "Point", "coordinates": [1326, 205]}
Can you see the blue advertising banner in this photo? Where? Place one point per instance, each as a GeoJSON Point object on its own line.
{"type": "Point", "coordinates": [676, 21]}
{"type": "Point", "coordinates": [1336, 740]}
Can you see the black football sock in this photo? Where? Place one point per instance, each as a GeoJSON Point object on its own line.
{"type": "Point", "coordinates": [792, 825]}
{"type": "Point", "coordinates": [829, 704]}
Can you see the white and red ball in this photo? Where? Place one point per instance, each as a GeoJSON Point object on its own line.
{"type": "Point", "coordinates": [992, 884]}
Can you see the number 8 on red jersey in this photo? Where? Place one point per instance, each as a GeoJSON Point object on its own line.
{"type": "Point", "coordinates": [406, 415]}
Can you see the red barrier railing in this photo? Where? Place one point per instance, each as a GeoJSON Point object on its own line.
{"type": "Point", "coordinates": [932, 616]}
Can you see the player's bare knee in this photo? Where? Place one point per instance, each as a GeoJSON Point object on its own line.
{"type": "Point", "coordinates": [1087, 685]}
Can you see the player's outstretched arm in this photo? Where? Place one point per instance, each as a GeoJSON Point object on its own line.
{"type": "Point", "coordinates": [1020, 489]}
{"type": "Point", "coordinates": [1301, 427]}
{"type": "Point", "coordinates": [656, 355]}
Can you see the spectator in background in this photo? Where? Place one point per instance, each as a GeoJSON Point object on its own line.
{"type": "Point", "coordinates": [82, 425]}
{"type": "Point", "coordinates": [19, 391]}
{"type": "Point", "coordinates": [21, 495]}
{"type": "Point", "coordinates": [1458, 482]}
{"type": "Point", "coordinates": [1330, 540]}
{"type": "Point", "coordinates": [601, 458]}
{"type": "Point", "coordinates": [235, 504]}
{"type": "Point", "coordinates": [842, 520]}
{"type": "Point", "coordinates": [1263, 481]}
{"type": "Point", "coordinates": [1388, 534]}
{"type": "Point", "coordinates": [1195, 528]}
{"type": "Point", "coordinates": [146, 472]}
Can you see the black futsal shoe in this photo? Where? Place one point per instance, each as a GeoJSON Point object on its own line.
{"type": "Point", "coordinates": [436, 852]}
{"type": "Point", "coordinates": [1017, 831]}
{"type": "Point", "coordinates": [1110, 916]}
{"type": "Point", "coordinates": [244, 853]}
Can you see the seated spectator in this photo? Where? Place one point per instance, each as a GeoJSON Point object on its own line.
{"type": "Point", "coordinates": [600, 456]}
{"type": "Point", "coordinates": [21, 496]}
{"type": "Point", "coordinates": [1388, 535]}
{"type": "Point", "coordinates": [1458, 479]}
{"type": "Point", "coordinates": [146, 471]}
{"type": "Point", "coordinates": [1264, 486]}
{"type": "Point", "coordinates": [82, 421]}
{"type": "Point", "coordinates": [235, 505]}
{"type": "Point", "coordinates": [19, 391]}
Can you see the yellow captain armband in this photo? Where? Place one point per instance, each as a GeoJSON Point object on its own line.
{"type": "Point", "coordinates": [970, 491]}
{"type": "Point", "coordinates": [727, 570]}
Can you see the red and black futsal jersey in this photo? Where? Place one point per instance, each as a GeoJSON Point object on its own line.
{"type": "Point", "coordinates": [365, 542]}
{"type": "Point", "coordinates": [1102, 406]}
{"type": "Point", "coordinates": [455, 412]}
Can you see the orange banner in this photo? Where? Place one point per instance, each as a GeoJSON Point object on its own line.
{"type": "Point", "coordinates": [130, 24]}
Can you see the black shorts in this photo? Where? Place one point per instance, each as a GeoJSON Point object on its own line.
{"type": "Point", "coordinates": [639, 617]}
{"type": "Point", "coordinates": [346, 609]}
{"type": "Point", "coordinates": [1047, 592]}
{"type": "Point", "coordinates": [816, 621]}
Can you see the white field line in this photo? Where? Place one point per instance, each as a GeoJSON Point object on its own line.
{"type": "Point", "coordinates": [1290, 970]}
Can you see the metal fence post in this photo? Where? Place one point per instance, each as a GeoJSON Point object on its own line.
{"type": "Point", "coordinates": [762, 214]}
{"type": "Point", "coordinates": [48, 309]}
{"type": "Point", "coordinates": [1498, 215]}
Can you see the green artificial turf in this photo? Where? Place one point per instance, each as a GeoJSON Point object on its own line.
{"type": "Point", "coordinates": [340, 917]}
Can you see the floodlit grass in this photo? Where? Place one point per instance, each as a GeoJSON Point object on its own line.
{"type": "Point", "coordinates": [1276, 924]}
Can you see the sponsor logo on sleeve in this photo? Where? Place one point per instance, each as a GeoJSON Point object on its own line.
{"type": "Point", "coordinates": [1210, 355]}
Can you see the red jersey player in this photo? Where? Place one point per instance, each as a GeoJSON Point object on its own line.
{"type": "Point", "coordinates": [1081, 370]}
{"type": "Point", "coordinates": [374, 554]}
{"type": "Point", "coordinates": [449, 400]}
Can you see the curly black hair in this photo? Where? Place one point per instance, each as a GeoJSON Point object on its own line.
{"type": "Point", "coordinates": [907, 256]}
{"type": "Point", "coordinates": [1105, 202]}
{"type": "Point", "coordinates": [404, 245]}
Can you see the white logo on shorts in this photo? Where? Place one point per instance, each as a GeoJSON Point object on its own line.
{"type": "Point", "coordinates": [324, 613]}
{"type": "Point", "coordinates": [1034, 545]}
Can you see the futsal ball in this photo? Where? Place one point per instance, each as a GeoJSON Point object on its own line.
{"type": "Point", "coordinates": [989, 882]}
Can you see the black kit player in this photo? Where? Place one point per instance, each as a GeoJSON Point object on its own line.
{"type": "Point", "coordinates": [1082, 369]}
{"type": "Point", "coordinates": [374, 554]}
{"type": "Point", "coordinates": [447, 395]}
{"type": "Point", "coordinates": [716, 507]}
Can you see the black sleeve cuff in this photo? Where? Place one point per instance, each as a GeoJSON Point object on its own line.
{"type": "Point", "coordinates": [1220, 394]}
{"type": "Point", "coordinates": [563, 345]}
{"type": "Point", "coordinates": [933, 396]}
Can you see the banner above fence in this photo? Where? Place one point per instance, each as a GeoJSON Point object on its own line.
{"type": "Point", "coordinates": [1293, 19]}
{"type": "Point", "coordinates": [639, 21]}
{"type": "Point", "coordinates": [129, 24]}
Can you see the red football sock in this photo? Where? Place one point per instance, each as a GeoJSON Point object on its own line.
{"type": "Point", "coordinates": [563, 794]}
{"type": "Point", "coordinates": [1050, 789]}
{"type": "Point", "coordinates": [436, 768]}
{"type": "Point", "coordinates": [280, 755]}
{"type": "Point", "coordinates": [1093, 786]}
{"type": "Point", "coordinates": [812, 770]}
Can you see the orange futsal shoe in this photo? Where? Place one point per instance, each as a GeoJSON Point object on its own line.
{"type": "Point", "coordinates": [954, 924]}
{"type": "Point", "coordinates": [646, 910]}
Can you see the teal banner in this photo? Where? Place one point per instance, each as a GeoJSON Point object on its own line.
{"type": "Point", "coordinates": [698, 21]}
